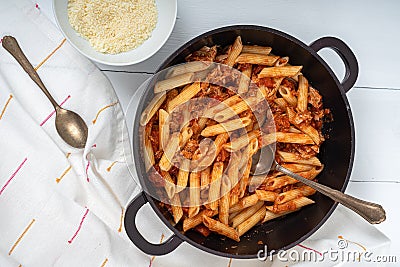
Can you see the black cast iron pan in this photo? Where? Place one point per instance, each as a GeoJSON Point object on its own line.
{"type": "Point", "coordinates": [337, 152]}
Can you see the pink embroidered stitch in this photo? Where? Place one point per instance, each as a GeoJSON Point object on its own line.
{"type": "Point", "coordinates": [13, 175]}
{"type": "Point", "coordinates": [79, 227]}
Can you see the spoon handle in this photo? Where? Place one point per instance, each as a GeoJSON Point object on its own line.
{"type": "Point", "coordinates": [11, 45]}
{"type": "Point", "coordinates": [372, 212]}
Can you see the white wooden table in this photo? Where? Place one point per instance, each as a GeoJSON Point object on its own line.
{"type": "Point", "coordinates": [370, 28]}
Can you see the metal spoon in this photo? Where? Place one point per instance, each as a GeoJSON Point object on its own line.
{"type": "Point", "coordinates": [373, 213]}
{"type": "Point", "coordinates": [70, 126]}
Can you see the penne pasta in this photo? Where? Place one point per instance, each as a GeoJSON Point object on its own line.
{"type": "Point", "coordinates": [210, 113]}
{"type": "Point", "coordinates": [149, 160]}
{"type": "Point", "coordinates": [305, 128]}
{"type": "Point", "coordinates": [255, 181]}
{"type": "Point", "coordinates": [194, 183]}
{"type": "Point", "coordinates": [173, 82]}
{"type": "Point", "coordinates": [235, 51]}
{"type": "Point", "coordinates": [188, 67]}
{"type": "Point", "coordinates": [202, 123]}
{"type": "Point", "coordinates": [187, 93]}
{"type": "Point", "coordinates": [245, 177]}
{"type": "Point", "coordinates": [286, 137]}
{"type": "Point", "coordinates": [220, 228]}
{"type": "Point", "coordinates": [302, 99]}
{"type": "Point", "coordinates": [283, 61]}
{"type": "Point", "coordinates": [233, 169]}
{"type": "Point", "coordinates": [169, 153]}
{"type": "Point", "coordinates": [293, 129]}
{"type": "Point", "coordinates": [245, 202]}
{"type": "Point", "coordinates": [269, 215]}
{"type": "Point", "coordinates": [227, 126]}
{"type": "Point", "coordinates": [223, 214]}
{"type": "Point", "coordinates": [245, 80]}
{"type": "Point", "coordinates": [257, 59]}
{"type": "Point", "coordinates": [232, 215]}
{"type": "Point", "coordinates": [245, 214]}
{"type": "Point", "coordinates": [273, 183]}
{"type": "Point", "coordinates": [294, 158]}
{"type": "Point", "coordinates": [152, 108]}
{"type": "Point", "coordinates": [213, 152]}
{"type": "Point", "coordinates": [215, 185]}
{"type": "Point", "coordinates": [251, 221]}
{"type": "Point", "coordinates": [176, 208]}
{"type": "Point", "coordinates": [281, 103]}
{"type": "Point", "coordinates": [294, 193]}
{"type": "Point", "coordinates": [184, 136]}
{"type": "Point", "coordinates": [266, 195]}
{"type": "Point", "coordinates": [285, 71]}
{"type": "Point", "coordinates": [183, 175]}
{"type": "Point", "coordinates": [245, 155]}
{"type": "Point", "coordinates": [189, 223]}
{"type": "Point", "coordinates": [234, 196]}
{"type": "Point", "coordinates": [287, 94]}
{"type": "Point", "coordinates": [272, 93]}
{"type": "Point", "coordinates": [267, 139]}
{"type": "Point", "coordinates": [163, 126]}
{"type": "Point", "coordinates": [291, 205]}
{"type": "Point", "coordinates": [242, 141]}
{"type": "Point", "coordinates": [294, 138]}
{"type": "Point", "coordinates": [169, 184]}
{"type": "Point", "coordinates": [237, 108]}
{"type": "Point", "coordinates": [253, 146]}
{"type": "Point", "coordinates": [205, 177]}
{"type": "Point", "coordinates": [255, 49]}
{"type": "Point", "coordinates": [295, 167]}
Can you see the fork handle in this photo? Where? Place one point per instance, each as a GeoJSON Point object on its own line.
{"type": "Point", "coordinates": [372, 212]}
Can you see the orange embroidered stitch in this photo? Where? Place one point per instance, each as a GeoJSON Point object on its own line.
{"type": "Point", "coordinates": [5, 106]}
{"type": "Point", "coordinates": [102, 109]}
{"type": "Point", "coordinates": [63, 174]}
{"type": "Point", "coordinates": [154, 257]}
{"type": "Point", "coordinates": [68, 154]}
{"type": "Point", "coordinates": [355, 243]}
{"type": "Point", "coordinates": [49, 55]}
{"type": "Point", "coordinates": [21, 236]}
{"type": "Point", "coordinates": [112, 164]}
{"type": "Point", "coordinates": [230, 262]}
{"type": "Point", "coordinates": [120, 220]}
{"type": "Point", "coordinates": [104, 263]}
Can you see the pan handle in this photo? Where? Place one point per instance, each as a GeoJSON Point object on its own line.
{"type": "Point", "coordinates": [345, 53]}
{"type": "Point", "coordinates": [130, 227]}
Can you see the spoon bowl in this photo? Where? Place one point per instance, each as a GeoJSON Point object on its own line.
{"type": "Point", "coordinates": [70, 126]}
{"type": "Point", "coordinates": [264, 161]}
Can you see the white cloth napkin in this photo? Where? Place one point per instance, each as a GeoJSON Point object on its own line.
{"type": "Point", "coordinates": [61, 206]}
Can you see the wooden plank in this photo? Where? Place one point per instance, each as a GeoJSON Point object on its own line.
{"type": "Point", "coordinates": [127, 86]}
{"type": "Point", "coordinates": [368, 27]}
{"type": "Point", "coordinates": [377, 123]}
{"type": "Point", "coordinates": [384, 194]}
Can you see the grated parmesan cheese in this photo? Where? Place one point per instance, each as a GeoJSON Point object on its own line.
{"type": "Point", "coordinates": [113, 26]}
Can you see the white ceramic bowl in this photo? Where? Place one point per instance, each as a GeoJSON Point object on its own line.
{"type": "Point", "coordinates": [166, 20]}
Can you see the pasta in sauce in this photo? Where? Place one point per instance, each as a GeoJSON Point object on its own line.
{"type": "Point", "coordinates": [231, 130]}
